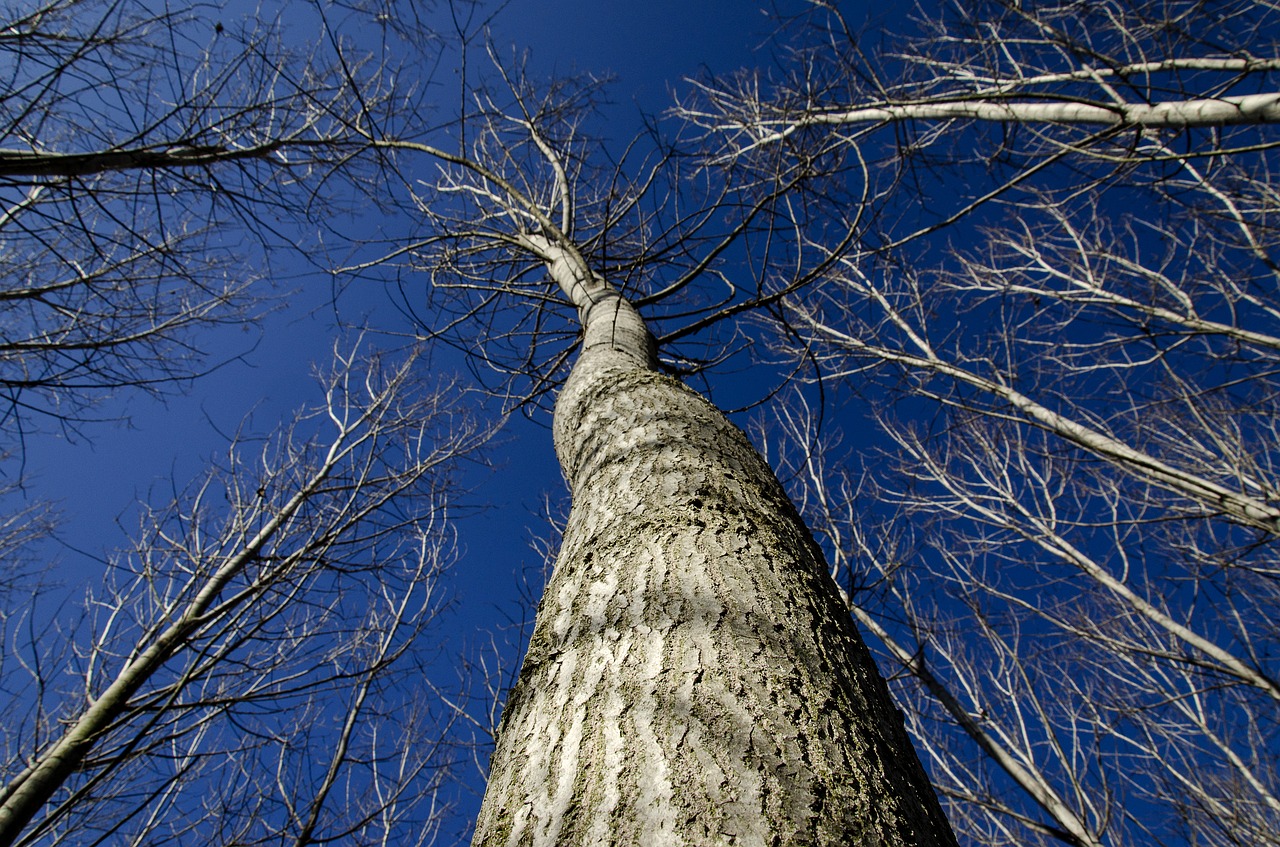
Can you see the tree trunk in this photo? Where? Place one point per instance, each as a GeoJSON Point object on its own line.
{"type": "Point", "coordinates": [693, 677]}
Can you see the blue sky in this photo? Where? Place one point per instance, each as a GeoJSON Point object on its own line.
{"type": "Point", "coordinates": [97, 473]}
{"type": "Point", "coordinates": [649, 47]}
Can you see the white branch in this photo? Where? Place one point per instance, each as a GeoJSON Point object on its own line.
{"type": "Point", "coordinates": [1178, 114]}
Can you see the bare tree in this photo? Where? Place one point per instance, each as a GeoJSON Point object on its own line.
{"type": "Point", "coordinates": [253, 667]}
{"type": "Point", "coordinates": [692, 675]}
{"type": "Point", "coordinates": [243, 676]}
{"type": "Point", "coordinates": [143, 151]}
{"type": "Point", "coordinates": [1061, 310]}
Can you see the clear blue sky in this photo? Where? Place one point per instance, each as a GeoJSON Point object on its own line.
{"type": "Point", "coordinates": [649, 47]}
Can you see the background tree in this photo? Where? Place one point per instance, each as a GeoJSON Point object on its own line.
{"type": "Point", "coordinates": [267, 623]}
{"type": "Point", "coordinates": [239, 675]}
{"type": "Point", "coordinates": [1061, 310]}
{"type": "Point", "coordinates": [143, 152]}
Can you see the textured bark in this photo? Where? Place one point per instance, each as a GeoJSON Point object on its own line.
{"type": "Point", "coordinates": [693, 677]}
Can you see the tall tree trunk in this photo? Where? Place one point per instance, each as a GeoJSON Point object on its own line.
{"type": "Point", "coordinates": [693, 677]}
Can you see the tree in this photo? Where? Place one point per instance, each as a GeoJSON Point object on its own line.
{"type": "Point", "coordinates": [1069, 545]}
{"type": "Point", "coordinates": [240, 675]}
{"type": "Point", "coordinates": [692, 675]}
{"type": "Point", "coordinates": [142, 153]}
{"type": "Point", "coordinates": [688, 611]}
{"type": "Point", "coordinates": [283, 593]}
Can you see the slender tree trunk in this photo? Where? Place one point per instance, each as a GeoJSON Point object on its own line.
{"type": "Point", "coordinates": [693, 677]}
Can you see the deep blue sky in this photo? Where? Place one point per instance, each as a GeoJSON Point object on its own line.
{"type": "Point", "coordinates": [648, 46]}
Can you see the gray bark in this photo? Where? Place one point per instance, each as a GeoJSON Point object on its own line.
{"type": "Point", "coordinates": [693, 677]}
